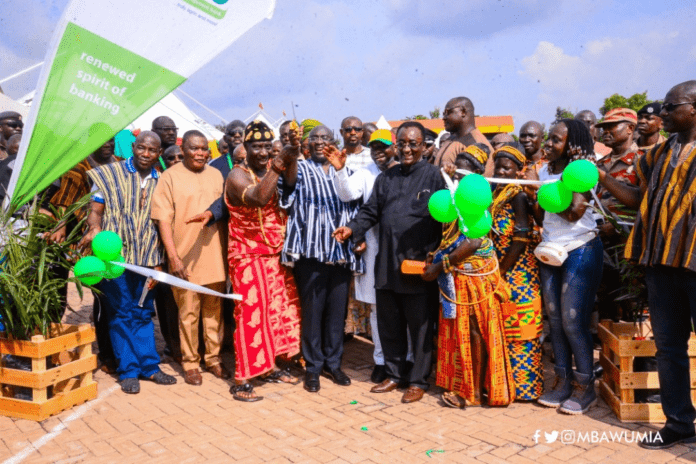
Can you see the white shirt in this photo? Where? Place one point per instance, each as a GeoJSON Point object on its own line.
{"type": "Point", "coordinates": [349, 188]}
{"type": "Point", "coordinates": [558, 230]}
{"type": "Point", "coordinates": [359, 160]}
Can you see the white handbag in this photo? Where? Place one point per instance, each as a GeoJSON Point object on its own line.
{"type": "Point", "coordinates": [554, 254]}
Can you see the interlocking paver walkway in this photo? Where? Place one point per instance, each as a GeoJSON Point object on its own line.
{"type": "Point", "coordinates": [187, 424]}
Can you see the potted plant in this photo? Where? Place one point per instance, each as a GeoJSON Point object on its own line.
{"type": "Point", "coordinates": [33, 271]}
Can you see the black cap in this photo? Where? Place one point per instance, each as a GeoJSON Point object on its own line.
{"type": "Point", "coordinates": [10, 115]}
{"type": "Point", "coordinates": [651, 108]}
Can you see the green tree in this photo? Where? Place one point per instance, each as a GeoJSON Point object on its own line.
{"type": "Point", "coordinates": [634, 102]}
{"type": "Point", "coordinates": [435, 113]}
{"type": "Point", "coordinates": [415, 117]}
{"type": "Point", "coordinates": [563, 113]}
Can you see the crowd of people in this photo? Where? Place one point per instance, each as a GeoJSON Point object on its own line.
{"type": "Point", "coordinates": [322, 241]}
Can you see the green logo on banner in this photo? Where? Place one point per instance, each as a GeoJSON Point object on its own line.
{"type": "Point", "coordinates": [95, 89]}
{"type": "Point", "coordinates": [209, 8]}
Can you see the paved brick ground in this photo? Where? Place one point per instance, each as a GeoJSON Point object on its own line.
{"type": "Point", "coordinates": [185, 424]}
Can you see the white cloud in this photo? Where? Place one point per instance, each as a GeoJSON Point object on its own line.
{"type": "Point", "coordinates": [631, 61]}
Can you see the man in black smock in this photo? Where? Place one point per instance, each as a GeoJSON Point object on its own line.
{"type": "Point", "coordinates": [399, 204]}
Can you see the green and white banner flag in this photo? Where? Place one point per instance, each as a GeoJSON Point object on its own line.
{"type": "Point", "coordinates": [107, 63]}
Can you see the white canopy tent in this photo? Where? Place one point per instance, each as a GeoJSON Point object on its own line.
{"type": "Point", "coordinates": [383, 124]}
{"type": "Point", "coordinates": [183, 117]}
{"type": "Point", "coordinates": [261, 115]}
{"type": "Point", "coordinates": [8, 104]}
{"type": "Point", "coordinates": [171, 106]}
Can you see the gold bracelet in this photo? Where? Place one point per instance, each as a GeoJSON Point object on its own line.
{"type": "Point", "coordinates": [245, 191]}
{"type": "Point", "coordinates": [447, 267]}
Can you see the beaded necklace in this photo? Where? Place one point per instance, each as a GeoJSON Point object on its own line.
{"type": "Point", "coordinates": [255, 180]}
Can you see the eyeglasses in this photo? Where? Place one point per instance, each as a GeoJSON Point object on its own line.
{"type": "Point", "coordinates": [167, 129]}
{"type": "Point", "coordinates": [451, 110]}
{"type": "Point", "coordinates": [14, 124]}
{"type": "Point", "coordinates": [411, 145]}
{"type": "Point", "coordinates": [235, 132]}
{"type": "Point", "coordinates": [325, 138]}
{"type": "Point", "coordinates": [669, 107]}
{"type": "Point", "coordinates": [348, 130]}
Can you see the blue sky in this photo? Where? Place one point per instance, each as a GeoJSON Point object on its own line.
{"type": "Point", "coordinates": [336, 58]}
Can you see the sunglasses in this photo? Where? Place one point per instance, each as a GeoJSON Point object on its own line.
{"type": "Point", "coordinates": [14, 124]}
{"type": "Point", "coordinates": [168, 129]}
{"type": "Point", "coordinates": [348, 130]}
{"type": "Point", "coordinates": [669, 107]}
{"type": "Point", "coordinates": [235, 132]}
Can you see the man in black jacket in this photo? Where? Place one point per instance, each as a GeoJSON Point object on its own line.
{"type": "Point", "coordinates": [399, 204]}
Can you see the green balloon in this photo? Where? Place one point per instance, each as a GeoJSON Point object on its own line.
{"type": "Point", "coordinates": [89, 270]}
{"type": "Point", "coordinates": [477, 226]}
{"type": "Point", "coordinates": [113, 271]}
{"type": "Point", "coordinates": [580, 176]}
{"type": "Point", "coordinates": [107, 245]}
{"type": "Point", "coordinates": [473, 196]}
{"type": "Point", "coordinates": [441, 207]}
{"type": "Point", "coordinates": [554, 197]}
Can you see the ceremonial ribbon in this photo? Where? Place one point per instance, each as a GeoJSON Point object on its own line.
{"type": "Point", "coordinates": [175, 281]}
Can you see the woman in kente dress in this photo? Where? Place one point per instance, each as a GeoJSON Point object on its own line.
{"type": "Point", "coordinates": [472, 351]}
{"type": "Point", "coordinates": [514, 239]}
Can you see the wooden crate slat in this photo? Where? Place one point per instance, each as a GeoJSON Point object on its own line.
{"type": "Point", "coordinates": [69, 337]}
{"type": "Point", "coordinates": [19, 408]}
{"type": "Point", "coordinates": [66, 342]}
{"type": "Point", "coordinates": [67, 400]}
{"type": "Point", "coordinates": [611, 372]}
{"type": "Point", "coordinates": [607, 337]}
{"type": "Point", "coordinates": [640, 380]}
{"type": "Point", "coordinates": [636, 348]}
{"type": "Point", "coordinates": [49, 377]}
{"type": "Point", "coordinates": [632, 412]}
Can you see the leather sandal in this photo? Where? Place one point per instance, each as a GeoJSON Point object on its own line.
{"type": "Point", "coordinates": [281, 376]}
{"type": "Point", "coordinates": [244, 388]}
{"type": "Point", "coordinates": [453, 400]}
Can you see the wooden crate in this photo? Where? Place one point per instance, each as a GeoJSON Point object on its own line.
{"type": "Point", "coordinates": [70, 350]}
{"type": "Point", "coordinates": [618, 384]}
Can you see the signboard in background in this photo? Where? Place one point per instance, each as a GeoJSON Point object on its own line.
{"type": "Point", "coordinates": [107, 63]}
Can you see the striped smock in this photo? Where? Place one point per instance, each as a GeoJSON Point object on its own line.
{"type": "Point", "coordinates": [665, 229]}
{"type": "Point", "coordinates": [314, 212]}
{"type": "Point", "coordinates": [121, 189]}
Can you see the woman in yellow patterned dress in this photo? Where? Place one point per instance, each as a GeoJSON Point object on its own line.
{"type": "Point", "coordinates": [472, 350]}
{"type": "Point", "coordinates": [513, 237]}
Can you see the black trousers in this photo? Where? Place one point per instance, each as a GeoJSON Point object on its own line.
{"type": "Point", "coordinates": [168, 315]}
{"type": "Point", "coordinates": [101, 327]}
{"type": "Point", "coordinates": [323, 290]}
{"type": "Point", "coordinates": [399, 312]}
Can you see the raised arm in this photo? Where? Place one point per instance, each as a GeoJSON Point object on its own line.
{"type": "Point", "coordinates": [629, 195]}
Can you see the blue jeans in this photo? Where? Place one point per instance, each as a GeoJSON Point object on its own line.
{"type": "Point", "coordinates": [672, 300]}
{"type": "Point", "coordinates": [569, 292]}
